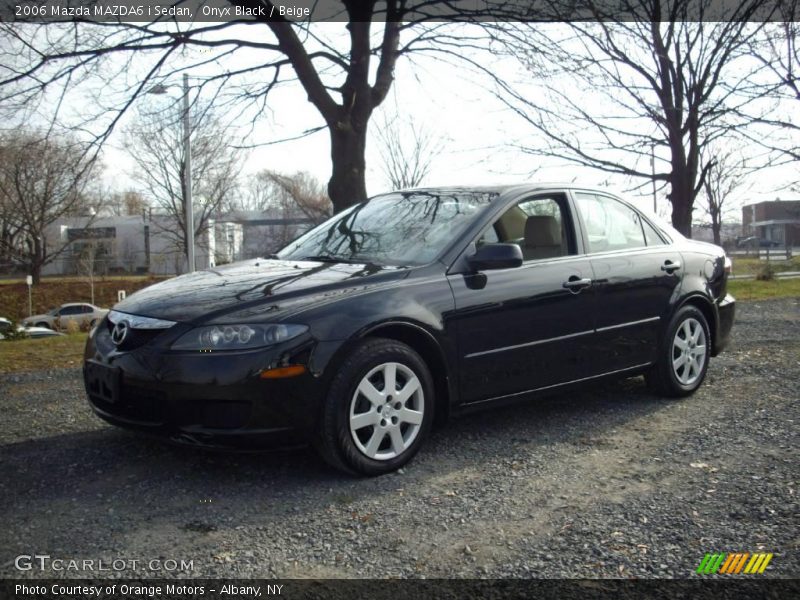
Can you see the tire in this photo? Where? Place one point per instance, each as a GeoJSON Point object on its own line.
{"type": "Point", "coordinates": [366, 431]}
{"type": "Point", "coordinates": [682, 366]}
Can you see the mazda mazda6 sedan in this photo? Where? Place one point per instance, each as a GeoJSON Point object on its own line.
{"type": "Point", "coordinates": [408, 308]}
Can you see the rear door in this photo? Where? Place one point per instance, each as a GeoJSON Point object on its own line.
{"type": "Point", "coordinates": [67, 314]}
{"type": "Point", "coordinates": [636, 271]}
{"type": "Point", "coordinates": [86, 314]}
{"type": "Point", "coordinates": [521, 329]}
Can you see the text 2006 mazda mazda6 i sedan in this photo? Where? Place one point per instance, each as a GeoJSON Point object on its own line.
{"type": "Point", "coordinates": [408, 308]}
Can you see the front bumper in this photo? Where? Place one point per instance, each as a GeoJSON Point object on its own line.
{"type": "Point", "coordinates": [726, 310]}
{"type": "Point", "coordinates": [212, 400]}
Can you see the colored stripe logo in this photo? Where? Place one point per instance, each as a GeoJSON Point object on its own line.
{"type": "Point", "coordinates": [734, 563]}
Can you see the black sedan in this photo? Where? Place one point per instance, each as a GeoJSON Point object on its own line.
{"type": "Point", "coordinates": [409, 308]}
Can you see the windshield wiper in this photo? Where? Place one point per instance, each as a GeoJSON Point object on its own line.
{"type": "Point", "coordinates": [326, 258]}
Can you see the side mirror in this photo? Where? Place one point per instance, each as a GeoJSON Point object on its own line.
{"type": "Point", "coordinates": [496, 256]}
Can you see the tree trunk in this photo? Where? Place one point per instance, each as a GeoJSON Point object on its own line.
{"type": "Point", "coordinates": [37, 260]}
{"type": "Point", "coordinates": [716, 227]}
{"type": "Point", "coordinates": [681, 216]}
{"type": "Point", "coordinates": [347, 185]}
{"type": "Point", "coordinates": [682, 198]}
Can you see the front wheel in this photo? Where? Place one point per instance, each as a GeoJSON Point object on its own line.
{"type": "Point", "coordinates": [683, 355]}
{"type": "Point", "coordinates": [379, 409]}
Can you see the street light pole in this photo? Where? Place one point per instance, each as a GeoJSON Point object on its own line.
{"type": "Point", "coordinates": [653, 165]}
{"type": "Point", "coordinates": [187, 176]}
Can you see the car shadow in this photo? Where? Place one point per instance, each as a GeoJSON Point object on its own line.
{"type": "Point", "coordinates": [107, 471]}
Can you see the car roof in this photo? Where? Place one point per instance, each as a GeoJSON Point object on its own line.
{"type": "Point", "coordinates": [506, 188]}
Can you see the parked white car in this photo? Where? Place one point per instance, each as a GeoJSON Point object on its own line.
{"type": "Point", "coordinates": [5, 325]}
{"type": "Point", "coordinates": [31, 332]}
{"type": "Point", "coordinates": [82, 313]}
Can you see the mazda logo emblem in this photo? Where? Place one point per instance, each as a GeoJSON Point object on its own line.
{"type": "Point", "coordinates": [119, 333]}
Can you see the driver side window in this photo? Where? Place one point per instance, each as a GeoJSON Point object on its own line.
{"type": "Point", "coordinates": [537, 225]}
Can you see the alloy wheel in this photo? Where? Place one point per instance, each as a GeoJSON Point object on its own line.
{"type": "Point", "coordinates": [386, 411]}
{"type": "Point", "coordinates": [689, 352]}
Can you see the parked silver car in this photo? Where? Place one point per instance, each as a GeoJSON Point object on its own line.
{"type": "Point", "coordinates": [29, 332]}
{"type": "Point", "coordinates": [58, 318]}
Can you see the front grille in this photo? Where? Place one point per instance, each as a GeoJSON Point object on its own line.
{"type": "Point", "coordinates": [136, 403]}
{"type": "Point", "coordinates": [136, 337]}
{"type": "Point", "coordinates": [215, 414]}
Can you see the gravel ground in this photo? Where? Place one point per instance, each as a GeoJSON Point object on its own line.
{"type": "Point", "coordinates": [610, 482]}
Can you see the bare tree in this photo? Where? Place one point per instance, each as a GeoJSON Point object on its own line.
{"type": "Point", "coordinates": [126, 204]}
{"type": "Point", "coordinates": [42, 179]}
{"type": "Point", "coordinates": [155, 144]}
{"type": "Point", "coordinates": [299, 200]}
{"type": "Point", "coordinates": [10, 221]}
{"type": "Point", "coordinates": [725, 177]}
{"type": "Point", "coordinates": [610, 91]}
{"type": "Point", "coordinates": [295, 194]}
{"type": "Point", "coordinates": [408, 149]}
{"type": "Point", "coordinates": [775, 87]}
{"type": "Point", "coordinates": [87, 262]}
{"type": "Point", "coordinates": [345, 76]}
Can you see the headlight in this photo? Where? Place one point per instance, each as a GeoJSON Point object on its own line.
{"type": "Point", "coordinates": [237, 337]}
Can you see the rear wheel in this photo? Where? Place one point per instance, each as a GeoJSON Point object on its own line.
{"type": "Point", "coordinates": [379, 409]}
{"type": "Point", "coordinates": [683, 356]}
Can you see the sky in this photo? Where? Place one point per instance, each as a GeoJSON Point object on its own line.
{"type": "Point", "coordinates": [479, 134]}
{"type": "Point", "coordinates": [464, 115]}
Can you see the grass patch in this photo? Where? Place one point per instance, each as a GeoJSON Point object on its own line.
{"type": "Point", "coordinates": [751, 266]}
{"type": "Point", "coordinates": [41, 354]}
{"type": "Point", "coordinates": [751, 289]}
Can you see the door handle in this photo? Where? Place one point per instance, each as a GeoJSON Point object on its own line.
{"type": "Point", "coordinates": [576, 284]}
{"type": "Point", "coordinates": [670, 266]}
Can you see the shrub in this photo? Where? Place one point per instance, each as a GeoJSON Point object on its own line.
{"type": "Point", "coordinates": [13, 334]}
{"type": "Point", "coordinates": [72, 327]}
{"type": "Point", "coordinates": [765, 272]}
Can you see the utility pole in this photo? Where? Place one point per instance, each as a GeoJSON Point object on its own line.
{"type": "Point", "coordinates": [653, 169]}
{"type": "Point", "coordinates": [29, 281]}
{"type": "Point", "coordinates": [187, 176]}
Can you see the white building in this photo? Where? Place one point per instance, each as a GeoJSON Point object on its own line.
{"type": "Point", "coordinates": [135, 244]}
{"type": "Point", "coordinates": [150, 244]}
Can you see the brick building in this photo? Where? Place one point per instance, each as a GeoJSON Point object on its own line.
{"type": "Point", "coordinates": [775, 220]}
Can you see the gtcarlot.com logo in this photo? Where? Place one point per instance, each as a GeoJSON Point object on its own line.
{"type": "Point", "coordinates": [44, 562]}
{"type": "Point", "coordinates": [734, 563]}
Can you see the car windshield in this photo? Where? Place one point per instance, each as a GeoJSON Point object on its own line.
{"type": "Point", "coordinates": [402, 228]}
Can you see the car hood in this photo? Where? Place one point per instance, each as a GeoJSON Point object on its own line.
{"type": "Point", "coordinates": [43, 316]}
{"type": "Point", "coordinates": [255, 290]}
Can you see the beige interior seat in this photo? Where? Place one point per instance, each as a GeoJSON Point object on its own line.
{"type": "Point", "coordinates": [542, 238]}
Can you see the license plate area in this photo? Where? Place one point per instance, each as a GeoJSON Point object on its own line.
{"type": "Point", "coordinates": [103, 381]}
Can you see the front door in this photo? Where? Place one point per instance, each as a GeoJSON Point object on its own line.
{"type": "Point", "coordinates": [530, 327]}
